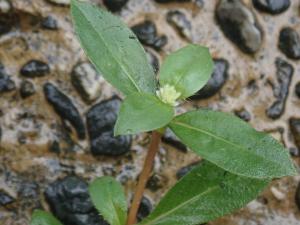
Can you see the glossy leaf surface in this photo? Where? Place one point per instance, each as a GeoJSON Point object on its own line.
{"type": "Point", "coordinates": [113, 49]}
{"type": "Point", "coordinates": [109, 199]}
{"type": "Point", "coordinates": [142, 112]}
{"type": "Point", "coordinates": [187, 69]}
{"type": "Point", "coordinates": [206, 193]}
{"type": "Point", "coordinates": [40, 217]}
{"type": "Point", "coordinates": [232, 144]}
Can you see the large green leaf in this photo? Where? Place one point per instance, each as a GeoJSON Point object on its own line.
{"type": "Point", "coordinates": [109, 199]}
{"type": "Point", "coordinates": [204, 194]}
{"type": "Point", "coordinates": [187, 69]}
{"type": "Point", "coordinates": [232, 144]}
{"type": "Point", "coordinates": [113, 49]}
{"type": "Point", "coordinates": [142, 112]}
{"type": "Point", "coordinates": [40, 217]}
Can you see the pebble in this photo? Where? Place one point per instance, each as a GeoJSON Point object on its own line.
{"type": "Point", "coordinates": [297, 89]}
{"type": "Point", "coordinates": [147, 34]}
{"type": "Point", "coordinates": [27, 89]}
{"type": "Point", "coordinates": [70, 202]}
{"type": "Point", "coordinates": [243, 114]}
{"type": "Point", "coordinates": [29, 189]}
{"type": "Point", "coordinates": [87, 81]}
{"type": "Point", "coordinates": [115, 5]}
{"type": "Point", "coordinates": [101, 119]}
{"type": "Point", "coordinates": [144, 209]}
{"type": "Point", "coordinates": [5, 6]}
{"type": "Point", "coordinates": [156, 182]}
{"type": "Point", "coordinates": [216, 82]}
{"type": "Point", "coordinates": [171, 139]}
{"type": "Point", "coordinates": [284, 73]}
{"type": "Point", "coordinates": [7, 19]}
{"type": "Point", "coordinates": [240, 25]}
{"type": "Point", "coordinates": [5, 198]}
{"type": "Point", "coordinates": [272, 6]}
{"type": "Point", "coordinates": [289, 43]}
{"type": "Point", "coordinates": [277, 194]}
{"type": "Point", "coordinates": [180, 22]}
{"type": "Point", "coordinates": [49, 23]}
{"type": "Point", "coordinates": [6, 83]}
{"type": "Point", "coordinates": [295, 129]}
{"type": "Point", "coordinates": [185, 170]}
{"type": "Point", "coordinates": [65, 108]}
{"type": "Point", "coordinates": [153, 60]}
{"type": "Point", "coordinates": [61, 2]}
{"type": "Point", "coordinates": [35, 68]}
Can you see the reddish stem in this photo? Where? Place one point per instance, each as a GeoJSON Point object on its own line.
{"type": "Point", "coordinates": [144, 176]}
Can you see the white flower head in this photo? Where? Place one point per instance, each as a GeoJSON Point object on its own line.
{"type": "Point", "coordinates": [168, 94]}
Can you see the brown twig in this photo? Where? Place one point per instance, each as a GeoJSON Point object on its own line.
{"type": "Point", "coordinates": [144, 176]}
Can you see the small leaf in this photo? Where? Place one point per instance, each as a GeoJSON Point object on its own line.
{"type": "Point", "coordinates": [113, 49]}
{"type": "Point", "coordinates": [109, 199]}
{"type": "Point", "coordinates": [142, 112]}
{"type": "Point", "coordinates": [232, 144]}
{"type": "Point", "coordinates": [40, 217]}
{"type": "Point", "coordinates": [187, 69]}
{"type": "Point", "coordinates": [204, 194]}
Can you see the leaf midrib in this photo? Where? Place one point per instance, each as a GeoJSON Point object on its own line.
{"type": "Point", "coordinates": [182, 204]}
{"type": "Point", "coordinates": [109, 51]}
{"type": "Point", "coordinates": [222, 139]}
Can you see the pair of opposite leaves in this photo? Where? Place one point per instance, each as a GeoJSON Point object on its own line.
{"type": "Point", "coordinates": [251, 157]}
{"type": "Point", "coordinates": [220, 138]}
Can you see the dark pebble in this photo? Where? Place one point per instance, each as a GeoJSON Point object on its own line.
{"type": "Point", "coordinates": [216, 82]}
{"type": "Point", "coordinates": [101, 119]}
{"type": "Point", "coordinates": [240, 25]}
{"type": "Point", "coordinates": [153, 60]}
{"type": "Point", "coordinates": [49, 23]}
{"type": "Point", "coordinates": [29, 189]}
{"type": "Point", "coordinates": [35, 68]}
{"type": "Point", "coordinates": [185, 170]}
{"type": "Point", "coordinates": [243, 114]}
{"type": "Point", "coordinates": [55, 147]}
{"type": "Point", "coordinates": [180, 22]}
{"type": "Point", "coordinates": [289, 43]}
{"type": "Point", "coordinates": [295, 129]}
{"type": "Point", "coordinates": [272, 6]}
{"type": "Point", "coordinates": [171, 139]}
{"type": "Point", "coordinates": [65, 108]}
{"type": "Point", "coordinates": [147, 35]}
{"type": "Point", "coordinates": [284, 73]}
{"type": "Point", "coordinates": [297, 196]}
{"type": "Point", "coordinates": [70, 202]}
{"type": "Point", "coordinates": [144, 209]}
{"type": "Point", "coordinates": [297, 89]}
{"type": "Point", "coordinates": [27, 89]}
{"type": "Point", "coordinates": [115, 5]}
{"type": "Point", "coordinates": [6, 83]}
{"type": "Point", "coordinates": [5, 198]}
{"type": "Point", "coordinates": [156, 182]}
{"type": "Point", "coordinates": [294, 152]}
{"type": "Point", "coordinates": [7, 21]}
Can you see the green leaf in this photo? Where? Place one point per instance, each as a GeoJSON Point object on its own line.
{"type": "Point", "coordinates": [109, 199]}
{"type": "Point", "coordinates": [232, 144]}
{"type": "Point", "coordinates": [204, 194]}
{"type": "Point", "coordinates": [187, 69]}
{"type": "Point", "coordinates": [142, 112]}
{"type": "Point", "coordinates": [113, 48]}
{"type": "Point", "coordinates": [40, 217]}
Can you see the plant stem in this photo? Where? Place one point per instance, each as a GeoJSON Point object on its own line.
{"type": "Point", "coordinates": [144, 176]}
